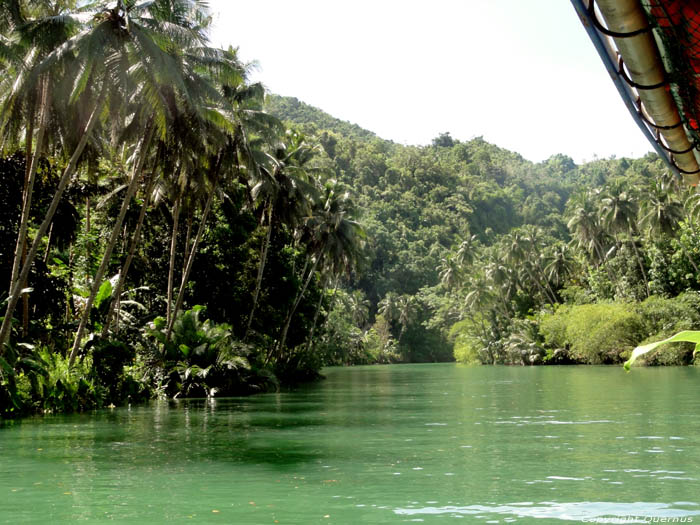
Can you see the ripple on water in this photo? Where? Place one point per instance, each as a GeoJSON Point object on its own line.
{"type": "Point", "coordinates": [637, 512]}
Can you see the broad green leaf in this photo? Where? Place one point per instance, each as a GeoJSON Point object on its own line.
{"type": "Point", "coordinates": [5, 366]}
{"type": "Point", "coordinates": [105, 292]}
{"type": "Point", "coordinates": [687, 336]}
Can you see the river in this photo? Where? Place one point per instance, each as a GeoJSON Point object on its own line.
{"type": "Point", "coordinates": [380, 444]}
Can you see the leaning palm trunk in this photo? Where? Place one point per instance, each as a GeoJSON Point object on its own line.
{"type": "Point", "coordinates": [641, 266]}
{"type": "Point", "coordinates": [171, 267]}
{"type": "Point", "coordinates": [318, 311]}
{"type": "Point", "coordinates": [31, 161]}
{"type": "Point", "coordinates": [545, 280]}
{"type": "Point", "coordinates": [193, 251]}
{"type": "Point", "coordinates": [32, 164]}
{"type": "Point", "coordinates": [300, 294]}
{"type": "Point", "coordinates": [116, 231]}
{"type": "Point", "coordinates": [116, 293]}
{"type": "Point", "coordinates": [65, 179]}
{"type": "Point", "coordinates": [261, 269]}
{"type": "Point", "coordinates": [538, 284]}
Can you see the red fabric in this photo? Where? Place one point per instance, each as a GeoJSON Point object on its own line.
{"type": "Point", "coordinates": [680, 21]}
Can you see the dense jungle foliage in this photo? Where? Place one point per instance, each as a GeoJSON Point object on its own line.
{"type": "Point", "coordinates": [167, 229]}
{"type": "Point", "coordinates": [476, 252]}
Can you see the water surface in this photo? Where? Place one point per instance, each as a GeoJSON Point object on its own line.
{"type": "Point", "coordinates": [382, 444]}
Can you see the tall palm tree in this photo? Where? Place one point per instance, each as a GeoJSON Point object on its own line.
{"type": "Point", "coordinates": [559, 264]}
{"type": "Point", "coordinates": [661, 210]}
{"type": "Point", "coordinates": [26, 98]}
{"type": "Point", "coordinates": [161, 32]}
{"type": "Point", "coordinates": [585, 225]}
{"type": "Point", "coordinates": [448, 271]}
{"type": "Point", "coordinates": [235, 157]}
{"type": "Point", "coordinates": [284, 189]}
{"type": "Point", "coordinates": [520, 253]}
{"type": "Point", "coordinates": [619, 211]}
{"type": "Point", "coordinates": [330, 233]}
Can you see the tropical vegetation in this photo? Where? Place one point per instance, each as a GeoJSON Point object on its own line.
{"type": "Point", "coordinates": [168, 228]}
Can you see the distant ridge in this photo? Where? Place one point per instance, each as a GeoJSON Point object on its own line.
{"type": "Point", "coordinates": [294, 110]}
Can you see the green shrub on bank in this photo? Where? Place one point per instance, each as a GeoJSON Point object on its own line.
{"type": "Point", "coordinates": [201, 358]}
{"type": "Point", "coordinates": [594, 333]}
{"type": "Point", "coordinates": [664, 317]}
{"type": "Point", "coordinates": [467, 346]}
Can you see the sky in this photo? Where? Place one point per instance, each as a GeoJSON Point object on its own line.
{"type": "Point", "coordinates": [522, 74]}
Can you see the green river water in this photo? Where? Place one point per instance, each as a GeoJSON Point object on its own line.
{"type": "Point", "coordinates": [381, 444]}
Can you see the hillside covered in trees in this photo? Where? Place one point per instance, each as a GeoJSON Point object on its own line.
{"type": "Point", "coordinates": [169, 229]}
{"type": "Point", "coordinates": [474, 250]}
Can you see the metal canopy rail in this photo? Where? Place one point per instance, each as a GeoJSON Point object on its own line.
{"type": "Point", "coordinates": [652, 54]}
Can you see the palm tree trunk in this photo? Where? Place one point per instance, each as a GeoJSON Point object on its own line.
{"type": "Point", "coordinates": [318, 310]}
{"type": "Point", "coordinates": [171, 268]}
{"type": "Point", "coordinates": [641, 265]}
{"type": "Point", "coordinates": [26, 202]}
{"type": "Point", "coordinates": [114, 237]}
{"type": "Point", "coordinates": [261, 269]}
{"type": "Point", "coordinates": [552, 295]}
{"type": "Point", "coordinates": [63, 182]}
{"type": "Point", "coordinates": [599, 250]}
{"type": "Point", "coordinates": [188, 236]}
{"type": "Point", "coordinates": [193, 251]}
{"type": "Point", "coordinates": [116, 293]}
{"type": "Point", "coordinates": [538, 284]}
{"type": "Point", "coordinates": [290, 314]}
{"type": "Point", "coordinates": [31, 163]}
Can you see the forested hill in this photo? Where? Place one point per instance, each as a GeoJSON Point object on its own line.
{"type": "Point", "coordinates": [293, 110]}
{"type": "Point", "coordinates": [470, 244]}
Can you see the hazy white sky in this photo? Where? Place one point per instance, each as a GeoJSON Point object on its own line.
{"type": "Point", "coordinates": [521, 73]}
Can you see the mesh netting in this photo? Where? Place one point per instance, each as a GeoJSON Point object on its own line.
{"type": "Point", "coordinates": [677, 24]}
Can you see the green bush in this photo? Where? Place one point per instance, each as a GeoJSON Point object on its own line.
{"type": "Point", "coordinates": [664, 317]}
{"type": "Point", "coordinates": [201, 358]}
{"type": "Point", "coordinates": [594, 333]}
{"type": "Point", "coordinates": [65, 389]}
{"type": "Point", "coordinates": [466, 346]}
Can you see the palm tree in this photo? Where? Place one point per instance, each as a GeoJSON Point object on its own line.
{"type": "Point", "coordinates": [162, 73]}
{"type": "Point", "coordinates": [27, 96]}
{"type": "Point", "coordinates": [407, 310]}
{"type": "Point", "coordinates": [521, 252]}
{"type": "Point", "coordinates": [619, 212]}
{"type": "Point", "coordinates": [465, 252]}
{"type": "Point", "coordinates": [559, 264]}
{"type": "Point", "coordinates": [330, 234]}
{"type": "Point", "coordinates": [236, 154]}
{"type": "Point", "coordinates": [388, 306]}
{"type": "Point", "coordinates": [661, 210]}
{"type": "Point", "coordinates": [285, 192]}
{"type": "Point", "coordinates": [448, 271]}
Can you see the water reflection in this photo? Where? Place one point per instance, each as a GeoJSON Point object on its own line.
{"type": "Point", "coordinates": [601, 512]}
{"type": "Point", "coordinates": [374, 445]}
